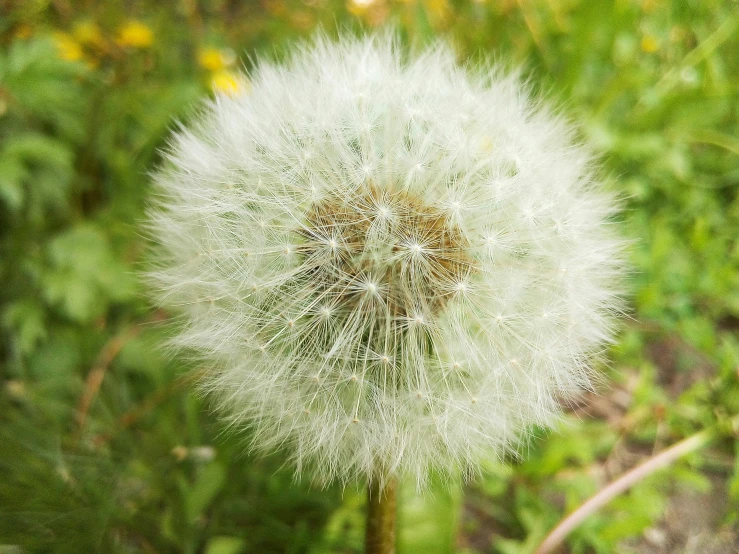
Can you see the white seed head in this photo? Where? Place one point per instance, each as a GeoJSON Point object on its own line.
{"type": "Point", "coordinates": [431, 263]}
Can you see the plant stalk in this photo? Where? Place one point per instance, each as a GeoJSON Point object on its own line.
{"type": "Point", "coordinates": [382, 508]}
{"type": "Point", "coordinates": [695, 442]}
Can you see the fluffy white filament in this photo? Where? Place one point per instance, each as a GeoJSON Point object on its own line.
{"type": "Point", "coordinates": [395, 262]}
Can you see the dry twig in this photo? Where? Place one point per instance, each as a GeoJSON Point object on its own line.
{"type": "Point", "coordinates": [628, 479]}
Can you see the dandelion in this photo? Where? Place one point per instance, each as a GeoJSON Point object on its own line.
{"type": "Point", "coordinates": [135, 34]}
{"type": "Point", "coordinates": [67, 47]}
{"type": "Point", "coordinates": [89, 34]}
{"type": "Point", "coordinates": [396, 265]}
{"type": "Point", "coordinates": [222, 79]}
{"type": "Point", "coordinates": [228, 82]}
{"type": "Point", "coordinates": [214, 59]}
{"type": "Point", "coordinates": [649, 44]}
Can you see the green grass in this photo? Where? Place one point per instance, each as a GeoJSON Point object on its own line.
{"type": "Point", "coordinates": [104, 446]}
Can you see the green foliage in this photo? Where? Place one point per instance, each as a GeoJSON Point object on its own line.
{"type": "Point", "coordinates": [428, 522]}
{"type": "Point", "coordinates": [105, 445]}
{"type": "Point", "coordinates": [84, 276]}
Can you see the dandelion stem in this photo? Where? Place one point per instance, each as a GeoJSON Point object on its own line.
{"type": "Point", "coordinates": [382, 504]}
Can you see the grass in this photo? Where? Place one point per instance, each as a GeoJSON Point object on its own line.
{"type": "Point", "coordinates": [105, 447]}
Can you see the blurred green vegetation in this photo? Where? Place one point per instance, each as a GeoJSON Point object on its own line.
{"type": "Point", "coordinates": [104, 447]}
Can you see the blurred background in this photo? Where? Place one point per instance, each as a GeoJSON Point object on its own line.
{"type": "Point", "coordinates": [104, 446]}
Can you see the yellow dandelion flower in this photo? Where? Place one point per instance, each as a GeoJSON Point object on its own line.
{"type": "Point", "coordinates": [214, 59]}
{"type": "Point", "coordinates": [228, 82]}
{"type": "Point", "coordinates": [68, 48]}
{"type": "Point", "coordinates": [438, 8]}
{"type": "Point", "coordinates": [135, 34]}
{"type": "Point", "coordinates": [649, 44]}
{"type": "Point", "coordinates": [88, 33]}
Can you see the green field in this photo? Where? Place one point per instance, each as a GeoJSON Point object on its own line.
{"type": "Point", "coordinates": [106, 447]}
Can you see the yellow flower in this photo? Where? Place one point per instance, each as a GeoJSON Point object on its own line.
{"type": "Point", "coordinates": [88, 33]}
{"type": "Point", "coordinates": [437, 7]}
{"type": "Point", "coordinates": [214, 59]}
{"type": "Point", "coordinates": [649, 44]}
{"type": "Point", "coordinates": [228, 82]}
{"type": "Point", "coordinates": [68, 48]}
{"type": "Point", "coordinates": [135, 34]}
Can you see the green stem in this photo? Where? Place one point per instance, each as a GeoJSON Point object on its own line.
{"type": "Point", "coordinates": [382, 507]}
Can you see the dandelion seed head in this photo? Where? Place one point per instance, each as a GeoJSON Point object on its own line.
{"type": "Point", "coordinates": [430, 263]}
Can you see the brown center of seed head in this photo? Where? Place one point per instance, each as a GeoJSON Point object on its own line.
{"type": "Point", "coordinates": [386, 243]}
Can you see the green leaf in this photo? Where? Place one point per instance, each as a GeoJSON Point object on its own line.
{"type": "Point", "coordinates": [57, 360]}
{"type": "Point", "coordinates": [12, 174]}
{"type": "Point", "coordinates": [208, 484]}
{"type": "Point", "coordinates": [345, 528]}
{"type": "Point", "coordinates": [26, 318]}
{"type": "Point", "coordinates": [225, 545]}
{"type": "Point", "coordinates": [85, 275]}
{"type": "Point", "coordinates": [143, 354]}
{"type": "Point", "coordinates": [75, 296]}
{"type": "Point", "coordinates": [428, 522]}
